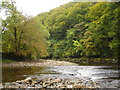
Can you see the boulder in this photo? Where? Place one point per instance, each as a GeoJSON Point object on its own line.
{"type": "Point", "coordinates": [79, 86]}
{"type": "Point", "coordinates": [69, 86]}
{"type": "Point", "coordinates": [20, 82]}
{"type": "Point", "coordinates": [61, 86]}
{"type": "Point", "coordinates": [38, 86]}
{"type": "Point", "coordinates": [27, 80]}
{"type": "Point", "coordinates": [56, 81]}
{"type": "Point", "coordinates": [34, 82]}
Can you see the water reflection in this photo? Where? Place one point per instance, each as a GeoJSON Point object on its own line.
{"type": "Point", "coordinates": [96, 73]}
{"type": "Point", "coordinates": [10, 74]}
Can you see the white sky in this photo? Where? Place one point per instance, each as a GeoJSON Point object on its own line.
{"type": "Point", "coordinates": [34, 7]}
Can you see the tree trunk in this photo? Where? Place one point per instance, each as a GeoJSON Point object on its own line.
{"type": "Point", "coordinates": [15, 35]}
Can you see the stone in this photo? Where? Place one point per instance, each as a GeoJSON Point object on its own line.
{"type": "Point", "coordinates": [38, 81]}
{"type": "Point", "coordinates": [49, 79]}
{"type": "Point", "coordinates": [56, 81]}
{"type": "Point", "coordinates": [69, 86]}
{"type": "Point", "coordinates": [89, 83]}
{"type": "Point", "coordinates": [61, 86]}
{"type": "Point", "coordinates": [71, 83]}
{"type": "Point", "coordinates": [28, 80]}
{"type": "Point", "coordinates": [47, 82]}
{"type": "Point", "coordinates": [7, 85]}
{"type": "Point", "coordinates": [44, 85]}
{"type": "Point", "coordinates": [79, 86]}
{"type": "Point", "coordinates": [1, 86]}
{"type": "Point", "coordinates": [20, 82]}
{"type": "Point", "coordinates": [30, 87]}
{"type": "Point", "coordinates": [78, 82]}
{"type": "Point", "coordinates": [34, 82]}
{"type": "Point", "coordinates": [72, 74]}
{"type": "Point", "coordinates": [38, 86]}
{"type": "Point", "coordinates": [22, 86]}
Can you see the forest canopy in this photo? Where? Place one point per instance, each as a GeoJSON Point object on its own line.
{"type": "Point", "coordinates": [73, 30]}
{"type": "Point", "coordinates": [22, 37]}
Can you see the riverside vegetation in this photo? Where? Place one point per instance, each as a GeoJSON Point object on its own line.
{"type": "Point", "coordinates": [73, 30]}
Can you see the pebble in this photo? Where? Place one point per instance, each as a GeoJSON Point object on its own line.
{"type": "Point", "coordinates": [79, 86]}
{"type": "Point", "coordinates": [52, 83]}
{"type": "Point", "coordinates": [56, 81]}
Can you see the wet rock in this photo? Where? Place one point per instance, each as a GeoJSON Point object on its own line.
{"type": "Point", "coordinates": [69, 86]}
{"type": "Point", "coordinates": [32, 85]}
{"type": "Point", "coordinates": [47, 82]}
{"type": "Point", "coordinates": [7, 85]}
{"type": "Point", "coordinates": [22, 86]}
{"type": "Point", "coordinates": [28, 80]}
{"type": "Point", "coordinates": [38, 86]}
{"type": "Point", "coordinates": [1, 86]}
{"type": "Point", "coordinates": [105, 85]}
{"type": "Point", "coordinates": [45, 85]}
{"type": "Point", "coordinates": [39, 81]}
{"type": "Point", "coordinates": [79, 86]}
{"type": "Point", "coordinates": [61, 86]}
{"type": "Point", "coordinates": [115, 83]}
{"type": "Point", "coordinates": [52, 83]}
{"type": "Point", "coordinates": [79, 82]}
{"type": "Point", "coordinates": [49, 79]}
{"type": "Point", "coordinates": [71, 83]}
{"type": "Point", "coordinates": [72, 74]}
{"type": "Point", "coordinates": [89, 83]}
{"type": "Point", "coordinates": [56, 81]}
{"type": "Point", "coordinates": [20, 82]}
{"type": "Point", "coordinates": [34, 82]}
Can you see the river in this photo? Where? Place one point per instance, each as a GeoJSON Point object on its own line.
{"type": "Point", "coordinates": [99, 74]}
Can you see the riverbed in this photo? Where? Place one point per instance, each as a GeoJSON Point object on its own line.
{"type": "Point", "coordinates": [104, 76]}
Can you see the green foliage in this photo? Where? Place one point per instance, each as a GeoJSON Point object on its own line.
{"type": "Point", "coordinates": [103, 25]}
{"type": "Point", "coordinates": [7, 61]}
{"type": "Point", "coordinates": [23, 36]}
{"type": "Point", "coordinates": [72, 30]}
{"type": "Point", "coordinates": [83, 30]}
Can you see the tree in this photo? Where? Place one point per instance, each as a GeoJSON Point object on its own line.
{"type": "Point", "coordinates": [83, 29]}
{"type": "Point", "coordinates": [12, 22]}
{"type": "Point", "coordinates": [103, 25]}
{"type": "Point", "coordinates": [23, 36]}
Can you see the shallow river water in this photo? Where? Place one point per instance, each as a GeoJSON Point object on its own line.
{"type": "Point", "coordinates": [99, 74]}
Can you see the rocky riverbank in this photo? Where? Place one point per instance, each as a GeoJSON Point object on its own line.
{"type": "Point", "coordinates": [50, 83]}
{"type": "Point", "coordinates": [91, 61]}
{"type": "Point", "coordinates": [61, 83]}
{"type": "Point", "coordinates": [40, 62]}
{"type": "Point", "coordinates": [65, 75]}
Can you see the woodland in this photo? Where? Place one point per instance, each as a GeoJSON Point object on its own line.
{"type": "Point", "coordinates": [72, 30]}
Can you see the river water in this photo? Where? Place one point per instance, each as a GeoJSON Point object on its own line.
{"type": "Point", "coordinates": [99, 74]}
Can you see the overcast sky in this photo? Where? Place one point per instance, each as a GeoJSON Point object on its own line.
{"type": "Point", "coordinates": [34, 7]}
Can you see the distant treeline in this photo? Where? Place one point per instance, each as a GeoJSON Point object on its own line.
{"type": "Point", "coordinates": [83, 30]}
{"type": "Point", "coordinates": [73, 30]}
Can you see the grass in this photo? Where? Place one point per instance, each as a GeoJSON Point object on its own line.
{"type": "Point", "coordinates": [7, 61]}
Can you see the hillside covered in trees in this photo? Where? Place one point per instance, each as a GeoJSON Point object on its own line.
{"type": "Point", "coordinates": [83, 30]}
{"type": "Point", "coordinates": [73, 30]}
